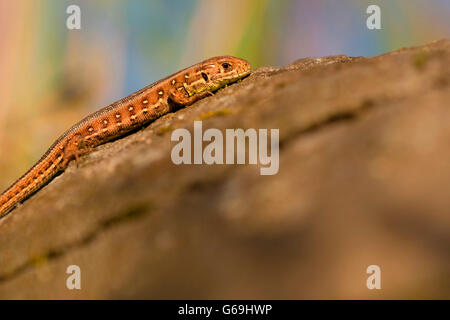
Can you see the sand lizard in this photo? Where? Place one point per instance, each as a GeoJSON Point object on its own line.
{"type": "Point", "coordinates": [119, 118]}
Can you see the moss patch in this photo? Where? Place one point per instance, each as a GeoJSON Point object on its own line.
{"type": "Point", "coordinates": [210, 114]}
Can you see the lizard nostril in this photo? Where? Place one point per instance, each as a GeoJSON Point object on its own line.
{"type": "Point", "coordinates": [205, 76]}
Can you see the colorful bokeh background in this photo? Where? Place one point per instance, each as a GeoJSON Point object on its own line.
{"type": "Point", "coordinates": [51, 77]}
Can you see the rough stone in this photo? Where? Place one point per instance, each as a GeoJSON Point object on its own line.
{"type": "Point", "coordinates": [364, 179]}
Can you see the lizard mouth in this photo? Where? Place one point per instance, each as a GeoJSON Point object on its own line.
{"type": "Point", "coordinates": [235, 78]}
{"type": "Point", "coordinates": [244, 74]}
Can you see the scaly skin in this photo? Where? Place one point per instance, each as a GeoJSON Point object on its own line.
{"type": "Point", "coordinates": [178, 90]}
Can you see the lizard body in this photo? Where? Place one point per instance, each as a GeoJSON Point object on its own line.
{"type": "Point", "coordinates": [180, 89]}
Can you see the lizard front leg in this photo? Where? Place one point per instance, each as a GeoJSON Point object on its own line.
{"type": "Point", "coordinates": [75, 147]}
{"type": "Point", "coordinates": [181, 96]}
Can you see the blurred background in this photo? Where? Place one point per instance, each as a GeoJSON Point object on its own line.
{"type": "Point", "coordinates": [51, 77]}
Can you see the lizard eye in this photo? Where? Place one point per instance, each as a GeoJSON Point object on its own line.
{"type": "Point", "coordinates": [205, 76]}
{"type": "Point", "coordinates": [226, 65]}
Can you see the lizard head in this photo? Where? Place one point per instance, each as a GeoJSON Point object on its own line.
{"type": "Point", "coordinates": [217, 72]}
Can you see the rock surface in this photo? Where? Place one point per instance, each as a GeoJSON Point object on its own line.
{"type": "Point", "coordinates": [364, 180]}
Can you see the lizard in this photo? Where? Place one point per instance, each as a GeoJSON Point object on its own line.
{"type": "Point", "coordinates": [118, 119]}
